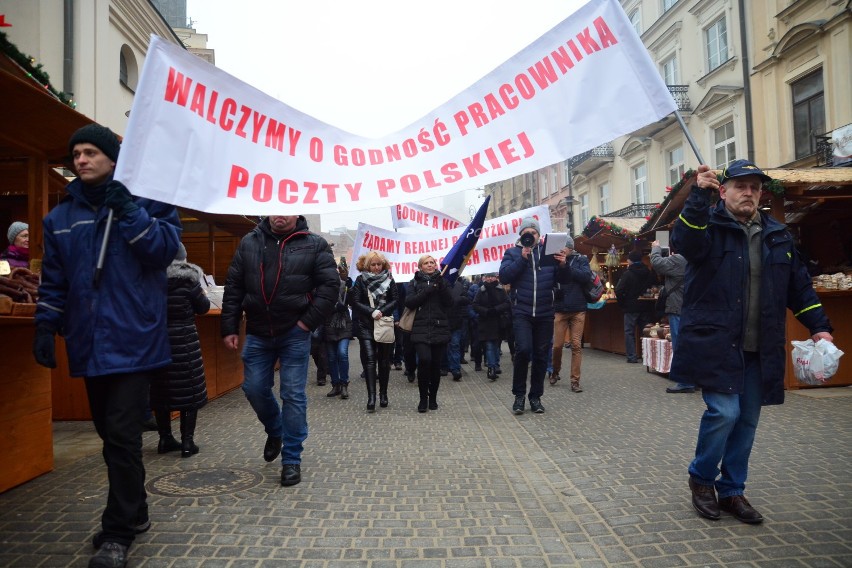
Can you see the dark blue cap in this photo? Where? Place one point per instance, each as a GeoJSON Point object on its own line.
{"type": "Point", "coordinates": [742, 168]}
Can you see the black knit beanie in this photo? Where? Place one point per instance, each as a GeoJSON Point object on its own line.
{"type": "Point", "coordinates": [97, 135]}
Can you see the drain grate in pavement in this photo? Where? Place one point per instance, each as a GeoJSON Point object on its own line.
{"type": "Point", "coordinates": [204, 482]}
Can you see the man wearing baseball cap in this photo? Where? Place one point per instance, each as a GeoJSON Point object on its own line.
{"type": "Point", "coordinates": [743, 273]}
{"type": "Point", "coordinates": [115, 326]}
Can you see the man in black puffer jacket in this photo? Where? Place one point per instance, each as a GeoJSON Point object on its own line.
{"type": "Point", "coordinates": [285, 280]}
{"type": "Point", "coordinates": [632, 284]}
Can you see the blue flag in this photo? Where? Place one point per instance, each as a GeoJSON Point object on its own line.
{"type": "Point", "coordinates": [458, 256]}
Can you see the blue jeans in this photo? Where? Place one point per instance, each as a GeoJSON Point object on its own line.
{"type": "Point", "coordinates": [289, 421]}
{"type": "Point", "coordinates": [337, 353]}
{"type": "Point", "coordinates": [454, 351]}
{"type": "Point", "coordinates": [674, 326]}
{"type": "Point", "coordinates": [631, 320]}
{"type": "Point", "coordinates": [532, 344]}
{"type": "Point", "coordinates": [492, 353]}
{"type": "Point", "coordinates": [726, 433]}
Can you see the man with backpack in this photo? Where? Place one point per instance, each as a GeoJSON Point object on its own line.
{"type": "Point", "coordinates": [570, 317]}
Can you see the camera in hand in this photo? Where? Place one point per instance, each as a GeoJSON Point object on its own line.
{"type": "Point", "coordinates": [527, 240]}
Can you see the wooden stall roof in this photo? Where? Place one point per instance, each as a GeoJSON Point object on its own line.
{"type": "Point", "coordinates": [35, 123]}
{"type": "Point", "coordinates": [806, 191]}
{"type": "Point", "coordinates": [236, 225]}
{"type": "Point", "coordinates": [603, 236]}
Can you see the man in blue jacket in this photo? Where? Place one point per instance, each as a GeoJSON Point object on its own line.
{"type": "Point", "coordinates": [114, 326]}
{"type": "Point", "coordinates": [743, 273]}
{"type": "Point", "coordinates": [532, 276]}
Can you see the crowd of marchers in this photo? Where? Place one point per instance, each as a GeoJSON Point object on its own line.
{"type": "Point", "coordinates": [116, 284]}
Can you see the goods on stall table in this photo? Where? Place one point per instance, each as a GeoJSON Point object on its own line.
{"type": "Point", "coordinates": [21, 285]}
{"type": "Point", "coordinates": [837, 281]}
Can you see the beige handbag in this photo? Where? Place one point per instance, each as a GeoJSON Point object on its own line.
{"type": "Point", "coordinates": [383, 331]}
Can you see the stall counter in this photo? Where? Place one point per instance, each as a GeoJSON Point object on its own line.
{"type": "Point", "coordinates": [26, 446]}
{"type": "Point", "coordinates": [837, 305]}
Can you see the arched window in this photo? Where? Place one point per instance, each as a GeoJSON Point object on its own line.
{"type": "Point", "coordinates": [128, 69]}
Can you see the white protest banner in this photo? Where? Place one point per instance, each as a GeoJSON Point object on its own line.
{"type": "Point", "coordinates": [201, 139]}
{"type": "Point", "coordinates": [403, 250]}
{"type": "Point", "coordinates": [414, 216]}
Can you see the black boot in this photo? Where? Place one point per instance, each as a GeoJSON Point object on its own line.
{"type": "Point", "coordinates": [187, 432]}
{"type": "Point", "coordinates": [433, 393]}
{"type": "Point", "coordinates": [344, 391]}
{"type": "Point", "coordinates": [164, 428]}
{"type": "Point", "coordinates": [371, 389]}
{"type": "Point", "coordinates": [384, 377]}
{"type": "Point", "coordinates": [335, 390]}
{"type": "Point", "coordinates": [423, 386]}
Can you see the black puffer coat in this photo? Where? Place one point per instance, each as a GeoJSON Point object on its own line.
{"type": "Point", "coordinates": [278, 280]}
{"type": "Point", "coordinates": [339, 324]}
{"type": "Point", "coordinates": [182, 386]}
{"type": "Point", "coordinates": [432, 299]}
{"type": "Point", "coordinates": [495, 312]}
{"type": "Point", "coordinates": [362, 309]}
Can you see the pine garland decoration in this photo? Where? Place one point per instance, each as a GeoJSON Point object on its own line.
{"type": "Point", "coordinates": [36, 72]}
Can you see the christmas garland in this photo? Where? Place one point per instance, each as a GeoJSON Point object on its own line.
{"type": "Point", "coordinates": [36, 72]}
{"type": "Point", "coordinates": [597, 224]}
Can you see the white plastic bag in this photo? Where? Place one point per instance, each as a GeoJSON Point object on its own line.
{"type": "Point", "coordinates": [815, 363]}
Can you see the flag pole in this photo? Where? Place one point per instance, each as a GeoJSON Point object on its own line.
{"type": "Point", "coordinates": [689, 137]}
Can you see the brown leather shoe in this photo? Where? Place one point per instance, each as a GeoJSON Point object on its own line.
{"type": "Point", "coordinates": [704, 500]}
{"type": "Point", "coordinates": [554, 377]}
{"type": "Point", "coordinates": [741, 509]}
{"type": "Point", "coordinates": [575, 386]}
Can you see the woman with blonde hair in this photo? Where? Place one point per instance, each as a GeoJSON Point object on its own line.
{"type": "Point", "coordinates": [430, 297]}
{"type": "Point", "coordinates": [374, 295]}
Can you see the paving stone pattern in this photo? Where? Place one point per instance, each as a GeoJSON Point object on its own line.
{"type": "Point", "coordinates": [598, 480]}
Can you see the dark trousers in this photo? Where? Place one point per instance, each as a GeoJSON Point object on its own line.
{"type": "Point", "coordinates": [532, 345]}
{"type": "Point", "coordinates": [409, 355]}
{"type": "Point", "coordinates": [475, 344]}
{"type": "Point", "coordinates": [118, 404]}
{"type": "Point", "coordinates": [320, 357]}
{"type": "Point", "coordinates": [430, 357]}
{"type": "Point", "coordinates": [398, 346]}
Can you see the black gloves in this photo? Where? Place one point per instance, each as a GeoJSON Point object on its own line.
{"type": "Point", "coordinates": [440, 283]}
{"type": "Point", "coordinates": [44, 346]}
{"type": "Point", "coordinates": [118, 198]}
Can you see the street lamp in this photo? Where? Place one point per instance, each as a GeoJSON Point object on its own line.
{"type": "Point", "coordinates": [569, 204]}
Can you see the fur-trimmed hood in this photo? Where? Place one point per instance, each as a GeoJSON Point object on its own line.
{"type": "Point", "coordinates": [184, 270]}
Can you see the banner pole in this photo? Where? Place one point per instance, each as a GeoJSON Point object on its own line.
{"type": "Point", "coordinates": [689, 137]}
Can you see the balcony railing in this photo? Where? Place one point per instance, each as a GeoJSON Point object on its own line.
{"type": "Point", "coordinates": [680, 94]}
{"type": "Point", "coordinates": [602, 151]}
{"type": "Point", "coordinates": [825, 148]}
{"type": "Point", "coordinates": [636, 210]}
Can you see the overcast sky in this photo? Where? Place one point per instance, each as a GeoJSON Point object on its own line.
{"type": "Point", "coordinates": [370, 67]}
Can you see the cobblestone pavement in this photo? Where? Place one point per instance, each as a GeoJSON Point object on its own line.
{"type": "Point", "coordinates": [598, 480]}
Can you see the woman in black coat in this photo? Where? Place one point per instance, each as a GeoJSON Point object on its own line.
{"type": "Point", "coordinates": [495, 320]}
{"type": "Point", "coordinates": [374, 295]}
{"type": "Point", "coordinates": [429, 294]}
{"type": "Point", "coordinates": [182, 386]}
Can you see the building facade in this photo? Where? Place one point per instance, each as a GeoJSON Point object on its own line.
{"type": "Point", "coordinates": [93, 50]}
{"type": "Point", "coordinates": [770, 81]}
{"type": "Point", "coordinates": [801, 79]}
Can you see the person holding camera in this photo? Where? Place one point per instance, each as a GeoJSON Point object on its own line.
{"type": "Point", "coordinates": [570, 316]}
{"type": "Point", "coordinates": [672, 266]}
{"type": "Point", "coordinates": [532, 276]}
